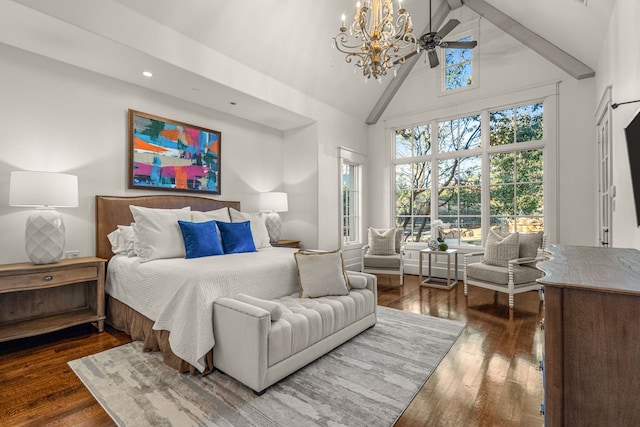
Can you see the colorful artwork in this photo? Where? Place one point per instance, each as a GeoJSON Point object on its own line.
{"type": "Point", "coordinates": [169, 155]}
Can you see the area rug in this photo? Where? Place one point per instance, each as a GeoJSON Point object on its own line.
{"type": "Point", "coordinates": [368, 381]}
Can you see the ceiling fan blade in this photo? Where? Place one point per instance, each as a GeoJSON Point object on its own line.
{"type": "Point", "coordinates": [459, 45]}
{"type": "Point", "coordinates": [433, 59]}
{"type": "Point", "coordinates": [447, 28]}
{"type": "Point", "coordinates": [414, 53]}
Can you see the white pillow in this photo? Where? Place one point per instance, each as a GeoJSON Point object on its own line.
{"type": "Point", "coordinates": [128, 237]}
{"type": "Point", "coordinates": [158, 233]}
{"type": "Point", "coordinates": [321, 274]}
{"type": "Point", "coordinates": [258, 228]}
{"type": "Point", "coordinates": [121, 240]}
{"type": "Point", "coordinates": [221, 214]}
{"type": "Point", "coordinates": [117, 247]}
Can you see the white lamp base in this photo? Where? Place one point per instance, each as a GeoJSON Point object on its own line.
{"type": "Point", "coordinates": [274, 226]}
{"type": "Point", "coordinates": [44, 236]}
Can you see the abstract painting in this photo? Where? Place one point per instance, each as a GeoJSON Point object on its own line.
{"type": "Point", "coordinates": [169, 155]}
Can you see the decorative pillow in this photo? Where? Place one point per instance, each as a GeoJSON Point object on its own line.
{"type": "Point", "coordinates": [200, 239]}
{"type": "Point", "coordinates": [274, 308]}
{"type": "Point", "coordinates": [157, 231]}
{"type": "Point", "coordinates": [236, 237]}
{"type": "Point", "coordinates": [258, 229]}
{"type": "Point", "coordinates": [321, 274]}
{"type": "Point", "coordinates": [529, 244]}
{"type": "Point", "coordinates": [221, 214]}
{"type": "Point", "coordinates": [500, 249]}
{"type": "Point", "coordinates": [382, 241]}
{"type": "Point", "coordinates": [357, 282]}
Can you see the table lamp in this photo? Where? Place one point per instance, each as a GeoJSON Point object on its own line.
{"type": "Point", "coordinates": [44, 191]}
{"type": "Point", "coordinates": [273, 202]}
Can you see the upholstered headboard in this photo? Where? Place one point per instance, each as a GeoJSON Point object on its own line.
{"type": "Point", "coordinates": [112, 211]}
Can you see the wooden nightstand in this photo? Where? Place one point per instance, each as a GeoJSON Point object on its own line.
{"type": "Point", "coordinates": [287, 244]}
{"type": "Point", "coordinates": [36, 299]}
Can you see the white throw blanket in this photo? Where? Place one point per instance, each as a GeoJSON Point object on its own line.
{"type": "Point", "coordinates": [178, 293]}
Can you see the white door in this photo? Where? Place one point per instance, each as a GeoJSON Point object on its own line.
{"type": "Point", "coordinates": [606, 193]}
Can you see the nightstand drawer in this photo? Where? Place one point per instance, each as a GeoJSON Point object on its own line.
{"type": "Point", "coordinates": [46, 278]}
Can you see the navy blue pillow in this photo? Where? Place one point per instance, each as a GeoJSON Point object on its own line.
{"type": "Point", "coordinates": [236, 237]}
{"type": "Point", "coordinates": [200, 238]}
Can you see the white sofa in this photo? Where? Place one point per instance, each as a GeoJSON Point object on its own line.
{"type": "Point", "coordinates": [259, 342]}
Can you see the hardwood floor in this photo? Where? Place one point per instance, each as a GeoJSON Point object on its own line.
{"type": "Point", "coordinates": [490, 377]}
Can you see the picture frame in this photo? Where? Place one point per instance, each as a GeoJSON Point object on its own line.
{"type": "Point", "coordinates": [169, 155]}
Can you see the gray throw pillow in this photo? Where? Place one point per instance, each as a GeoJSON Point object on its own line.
{"type": "Point", "coordinates": [382, 241]}
{"type": "Point", "coordinates": [321, 274]}
{"type": "Point", "coordinates": [529, 244]}
{"type": "Point", "coordinates": [499, 250]}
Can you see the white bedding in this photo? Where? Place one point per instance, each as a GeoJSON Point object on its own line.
{"type": "Point", "coordinates": [178, 293]}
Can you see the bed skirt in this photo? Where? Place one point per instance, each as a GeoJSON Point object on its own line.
{"type": "Point", "coordinates": [140, 328]}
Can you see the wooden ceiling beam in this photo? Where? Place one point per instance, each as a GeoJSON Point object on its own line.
{"type": "Point", "coordinates": [530, 39]}
{"type": "Point", "coordinates": [404, 70]}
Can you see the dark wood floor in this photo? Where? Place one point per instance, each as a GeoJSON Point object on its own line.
{"type": "Point", "coordinates": [489, 378]}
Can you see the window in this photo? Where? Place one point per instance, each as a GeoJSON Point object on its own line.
{"type": "Point", "coordinates": [458, 67]}
{"type": "Point", "coordinates": [350, 203]}
{"type": "Point", "coordinates": [440, 176]}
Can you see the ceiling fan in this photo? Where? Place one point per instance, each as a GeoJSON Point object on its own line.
{"type": "Point", "coordinates": [429, 41]}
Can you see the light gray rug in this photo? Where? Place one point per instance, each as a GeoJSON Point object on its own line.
{"type": "Point", "coordinates": [368, 381]}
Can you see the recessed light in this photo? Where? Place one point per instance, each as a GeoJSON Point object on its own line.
{"type": "Point", "coordinates": [147, 73]}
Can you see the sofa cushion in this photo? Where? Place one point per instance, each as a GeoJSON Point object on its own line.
{"type": "Point", "coordinates": [500, 275]}
{"type": "Point", "coordinates": [306, 321]}
{"type": "Point", "coordinates": [500, 249]}
{"type": "Point", "coordinates": [382, 261]}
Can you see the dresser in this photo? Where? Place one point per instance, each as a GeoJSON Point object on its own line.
{"type": "Point", "coordinates": [36, 299]}
{"type": "Point", "coordinates": [592, 336]}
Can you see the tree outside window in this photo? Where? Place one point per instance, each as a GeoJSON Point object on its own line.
{"type": "Point", "coordinates": [451, 171]}
{"type": "Point", "coordinates": [458, 67]}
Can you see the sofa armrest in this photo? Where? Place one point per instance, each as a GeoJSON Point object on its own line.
{"type": "Point", "coordinates": [241, 307]}
{"type": "Point", "coordinates": [372, 282]}
{"type": "Point", "coordinates": [241, 333]}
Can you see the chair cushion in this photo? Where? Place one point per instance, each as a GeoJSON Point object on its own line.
{"type": "Point", "coordinates": [382, 261]}
{"type": "Point", "coordinates": [500, 275]}
{"type": "Point", "coordinates": [500, 249]}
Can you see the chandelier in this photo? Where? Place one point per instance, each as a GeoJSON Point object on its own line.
{"type": "Point", "coordinates": [380, 42]}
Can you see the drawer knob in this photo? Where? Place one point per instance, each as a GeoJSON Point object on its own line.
{"type": "Point", "coordinates": [47, 278]}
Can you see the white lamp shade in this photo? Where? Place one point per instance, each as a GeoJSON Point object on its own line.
{"type": "Point", "coordinates": [35, 189]}
{"type": "Point", "coordinates": [274, 201]}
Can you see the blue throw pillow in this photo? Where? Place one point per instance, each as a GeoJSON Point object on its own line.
{"type": "Point", "coordinates": [200, 238]}
{"type": "Point", "coordinates": [236, 237]}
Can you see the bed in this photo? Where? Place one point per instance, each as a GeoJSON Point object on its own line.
{"type": "Point", "coordinates": [163, 302]}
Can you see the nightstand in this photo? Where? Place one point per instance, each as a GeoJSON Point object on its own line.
{"type": "Point", "coordinates": [36, 299]}
{"type": "Point", "coordinates": [287, 244]}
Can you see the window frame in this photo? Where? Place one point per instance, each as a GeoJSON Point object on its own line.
{"type": "Point", "coordinates": [357, 160]}
{"type": "Point", "coordinates": [442, 74]}
{"type": "Point", "coordinates": [547, 144]}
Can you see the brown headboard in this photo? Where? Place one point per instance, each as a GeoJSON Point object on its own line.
{"type": "Point", "coordinates": [112, 211]}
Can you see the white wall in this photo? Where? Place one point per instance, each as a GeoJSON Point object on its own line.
{"type": "Point", "coordinates": [58, 117]}
{"type": "Point", "coordinates": [508, 72]}
{"type": "Point", "coordinates": [619, 66]}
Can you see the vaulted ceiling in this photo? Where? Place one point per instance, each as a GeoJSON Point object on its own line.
{"type": "Point", "coordinates": [289, 41]}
